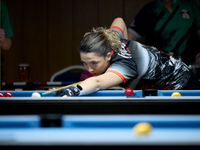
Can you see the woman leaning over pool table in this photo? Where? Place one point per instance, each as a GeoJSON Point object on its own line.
{"type": "Point", "coordinates": [114, 60]}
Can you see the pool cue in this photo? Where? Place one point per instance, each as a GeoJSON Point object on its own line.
{"type": "Point", "coordinates": [68, 86]}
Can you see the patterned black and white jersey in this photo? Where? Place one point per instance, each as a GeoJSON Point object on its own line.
{"type": "Point", "coordinates": [143, 67]}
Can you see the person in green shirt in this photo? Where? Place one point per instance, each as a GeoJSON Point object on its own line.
{"type": "Point", "coordinates": [6, 31]}
{"type": "Point", "coordinates": [168, 25]}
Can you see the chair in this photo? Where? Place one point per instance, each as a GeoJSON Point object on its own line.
{"type": "Point", "coordinates": [72, 73]}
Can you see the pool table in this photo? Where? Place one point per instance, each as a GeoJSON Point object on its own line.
{"type": "Point", "coordinates": [98, 130]}
{"type": "Point", "coordinates": [114, 93]}
{"type": "Point", "coordinates": [103, 102]}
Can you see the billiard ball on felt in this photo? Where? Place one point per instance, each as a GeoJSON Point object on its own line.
{"type": "Point", "coordinates": [35, 94]}
{"type": "Point", "coordinates": [8, 94]}
{"type": "Point", "coordinates": [2, 95]}
{"type": "Point", "coordinates": [175, 94]}
{"type": "Point", "coordinates": [128, 92]}
{"type": "Point", "coordinates": [142, 128]}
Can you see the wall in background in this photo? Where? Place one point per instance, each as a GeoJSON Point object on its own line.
{"type": "Point", "coordinates": [47, 33]}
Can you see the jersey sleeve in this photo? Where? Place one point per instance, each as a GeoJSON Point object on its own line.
{"type": "Point", "coordinates": [118, 30]}
{"type": "Point", "coordinates": [125, 68]}
{"type": "Point", "coordinates": [6, 25]}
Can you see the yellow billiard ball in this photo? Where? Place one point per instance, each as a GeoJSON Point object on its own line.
{"type": "Point", "coordinates": [175, 94]}
{"type": "Point", "coordinates": [142, 128]}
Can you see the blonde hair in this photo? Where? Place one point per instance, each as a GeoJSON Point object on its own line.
{"type": "Point", "coordinates": [100, 40]}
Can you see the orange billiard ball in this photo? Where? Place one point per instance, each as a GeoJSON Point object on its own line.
{"type": "Point", "coordinates": [128, 92]}
{"type": "Point", "coordinates": [8, 94]}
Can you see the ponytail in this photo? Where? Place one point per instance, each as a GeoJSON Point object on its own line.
{"type": "Point", "coordinates": [100, 40]}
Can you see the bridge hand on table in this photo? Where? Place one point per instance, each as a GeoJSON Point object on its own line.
{"type": "Point", "coordinates": [72, 91]}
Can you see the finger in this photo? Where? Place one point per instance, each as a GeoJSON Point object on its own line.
{"type": "Point", "coordinates": [66, 96]}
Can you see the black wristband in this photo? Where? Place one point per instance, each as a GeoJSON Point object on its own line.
{"type": "Point", "coordinates": [79, 87]}
{"type": "Point", "coordinates": [72, 91]}
{"type": "Point", "coordinates": [76, 90]}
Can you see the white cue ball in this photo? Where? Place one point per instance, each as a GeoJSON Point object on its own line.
{"type": "Point", "coordinates": [36, 94]}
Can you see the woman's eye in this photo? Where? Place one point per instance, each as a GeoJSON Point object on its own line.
{"type": "Point", "coordinates": [94, 63]}
{"type": "Point", "coordinates": [84, 63]}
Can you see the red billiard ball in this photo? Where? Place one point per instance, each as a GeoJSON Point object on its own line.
{"type": "Point", "coordinates": [8, 94]}
{"type": "Point", "coordinates": [128, 92]}
{"type": "Point", "coordinates": [2, 95]}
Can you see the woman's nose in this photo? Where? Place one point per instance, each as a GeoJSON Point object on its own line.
{"type": "Point", "coordinates": [90, 69]}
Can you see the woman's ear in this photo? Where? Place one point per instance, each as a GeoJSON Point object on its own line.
{"type": "Point", "coordinates": [108, 56]}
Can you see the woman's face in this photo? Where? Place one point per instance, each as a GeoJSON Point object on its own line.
{"type": "Point", "coordinates": [94, 63]}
